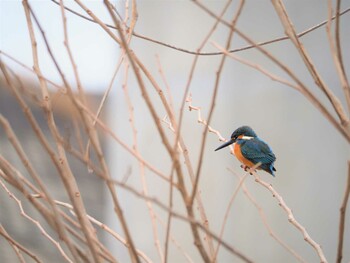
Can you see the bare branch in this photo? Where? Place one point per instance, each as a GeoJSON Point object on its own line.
{"type": "Point", "coordinates": [264, 218]}
{"type": "Point", "coordinates": [263, 43]}
{"type": "Point", "coordinates": [305, 91]}
{"type": "Point", "coordinates": [291, 217]}
{"type": "Point", "coordinates": [290, 32]}
{"type": "Point", "coordinates": [17, 245]}
{"type": "Point", "coordinates": [342, 217]}
{"type": "Point", "coordinates": [35, 222]}
{"type": "Point", "coordinates": [64, 168]}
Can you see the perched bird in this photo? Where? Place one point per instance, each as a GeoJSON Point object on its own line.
{"type": "Point", "coordinates": [250, 150]}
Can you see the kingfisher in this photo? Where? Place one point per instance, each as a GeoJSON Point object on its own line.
{"type": "Point", "coordinates": [250, 150]}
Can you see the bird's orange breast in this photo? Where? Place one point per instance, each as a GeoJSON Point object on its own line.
{"type": "Point", "coordinates": [240, 157]}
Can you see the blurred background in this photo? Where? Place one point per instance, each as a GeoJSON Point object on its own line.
{"type": "Point", "coordinates": [311, 155]}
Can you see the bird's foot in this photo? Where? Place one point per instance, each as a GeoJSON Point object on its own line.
{"type": "Point", "coordinates": [244, 167]}
{"type": "Point", "coordinates": [248, 169]}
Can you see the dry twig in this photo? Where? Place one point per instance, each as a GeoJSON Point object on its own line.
{"type": "Point", "coordinates": [35, 222]}
{"type": "Point", "coordinates": [264, 219]}
{"type": "Point", "coordinates": [200, 53]}
{"type": "Point", "coordinates": [17, 246]}
{"type": "Point", "coordinates": [291, 217]}
{"type": "Point", "coordinates": [342, 218]}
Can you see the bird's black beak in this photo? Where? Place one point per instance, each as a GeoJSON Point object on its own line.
{"type": "Point", "coordinates": [225, 144]}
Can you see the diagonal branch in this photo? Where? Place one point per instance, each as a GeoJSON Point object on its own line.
{"type": "Point", "coordinates": [212, 104]}
{"type": "Point", "coordinates": [290, 32]}
{"type": "Point", "coordinates": [35, 222]}
{"type": "Point", "coordinates": [17, 245]}
{"type": "Point", "coordinates": [200, 53]}
{"type": "Point", "coordinates": [63, 166]}
{"type": "Point", "coordinates": [346, 86]}
{"type": "Point", "coordinates": [304, 89]}
{"type": "Point", "coordinates": [342, 218]}
{"type": "Point", "coordinates": [291, 217]}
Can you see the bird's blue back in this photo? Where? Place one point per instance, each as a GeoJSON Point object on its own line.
{"type": "Point", "coordinates": [256, 150]}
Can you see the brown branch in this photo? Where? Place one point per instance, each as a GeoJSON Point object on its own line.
{"type": "Point", "coordinates": [141, 165]}
{"type": "Point", "coordinates": [290, 32]}
{"type": "Point", "coordinates": [91, 131]}
{"type": "Point", "coordinates": [247, 47]}
{"type": "Point", "coordinates": [201, 120]}
{"type": "Point", "coordinates": [291, 217]}
{"type": "Point", "coordinates": [35, 222]}
{"type": "Point", "coordinates": [177, 245]}
{"type": "Point", "coordinates": [342, 217]}
{"type": "Point", "coordinates": [264, 219]}
{"type": "Point", "coordinates": [258, 68]}
{"type": "Point", "coordinates": [60, 88]}
{"type": "Point", "coordinates": [228, 209]}
{"type": "Point", "coordinates": [16, 244]}
{"type": "Point", "coordinates": [13, 245]}
{"type": "Point", "coordinates": [105, 254]}
{"type": "Point", "coordinates": [42, 139]}
{"type": "Point", "coordinates": [135, 65]}
{"type": "Point", "coordinates": [191, 52]}
{"type": "Point", "coordinates": [100, 225]}
{"type": "Point", "coordinates": [156, 119]}
{"type": "Point", "coordinates": [27, 164]}
{"type": "Point", "coordinates": [213, 100]}
{"type": "Point", "coordinates": [345, 84]}
{"type": "Point", "coordinates": [336, 52]}
{"type": "Point", "coordinates": [304, 90]}
{"type": "Point", "coordinates": [186, 219]}
{"type": "Point", "coordinates": [65, 171]}
{"type": "Point", "coordinates": [127, 148]}
{"type": "Point", "coordinates": [178, 137]}
{"type": "Point", "coordinates": [18, 181]}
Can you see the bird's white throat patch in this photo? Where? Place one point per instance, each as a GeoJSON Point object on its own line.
{"type": "Point", "coordinates": [247, 138]}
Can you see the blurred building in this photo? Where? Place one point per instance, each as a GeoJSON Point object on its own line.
{"type": "Point", "coordinates": [22, 230]}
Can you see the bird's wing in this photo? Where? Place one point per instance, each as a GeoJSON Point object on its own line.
{"type": "Point", "coordinates": [256, 151]}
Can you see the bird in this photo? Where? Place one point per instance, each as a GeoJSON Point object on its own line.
{"type": "Point", "coordinates": [250, 150]}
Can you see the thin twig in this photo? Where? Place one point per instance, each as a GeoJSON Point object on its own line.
{"type": "Point", "coordinates": [186, 219]}
{"type": "Point", "coordinates": [42, 139]}
{"type": "Point", "coordinates": [264, 219]}
{"type": "Point", "coordinates": [336, 51]}
{"type": "Point", "coordinates": [86, 225]}
{"type": "Point", "coordinates": [177, 128]}
{"type": "Point", "coordinates": [2, 53]}
{"type": "Point", "coordinates": [141, 165]}
{"type": "Point", "coordinates": [345, 85]}
{"type": "Point", "coordinates": [100, 225]}
{"type": "Point", "coordinates": [342, 217]}
{"type": "Point", "coordinates": [17, 245]}
{"type": "Point", "coordinates": [290, 32]}
{"type": "Point", "coordinates": [177, 245]}
{"type": "Point", "coordinates": [304, 90]}
{"type": "Point", "coordinates": [201, 120]}
{"type": "Point", "coordinates": [291, 217]}
{"type": "Point", "coordinates": [35, 222]}
{"type": "Point", "coordinates": [258, 67]}
{"type": "Point", "coordinates": [64, 168]}
{"type": "Point", "coordinates": [212, 105]}
{"type": "Point", "coordinates": [228, 209]}
{"type": "Point", "coordinates": [191, 52]}
{"type": "Point", "coordinates": [108, 130]}
{"type": "Point", "coordinates": [135, 63]}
